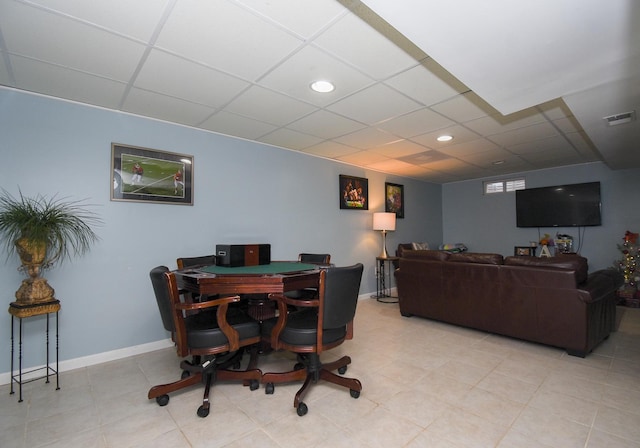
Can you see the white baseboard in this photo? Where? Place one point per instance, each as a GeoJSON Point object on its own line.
{"type": "Point", "coordinates": [99, 358]}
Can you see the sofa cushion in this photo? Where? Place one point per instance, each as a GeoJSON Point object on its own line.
{"type": "Point", "coordinates": [572, 262]}
{"type": "Point", "coordinates": [473, 257]}
{"type": "Point", "coordinates": [436, 255]}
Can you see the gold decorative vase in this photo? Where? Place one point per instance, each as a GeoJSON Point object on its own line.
{"type": "Point", "coordinates": [34, 289]}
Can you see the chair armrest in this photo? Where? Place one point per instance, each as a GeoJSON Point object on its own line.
{"type": "Point", "coordinates": [208, 304]}
{"type": "Point", "coordinates": [282, 301]}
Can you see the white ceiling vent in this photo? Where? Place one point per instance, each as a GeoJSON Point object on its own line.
{"type": "Point", "coordinates": [626, 117]}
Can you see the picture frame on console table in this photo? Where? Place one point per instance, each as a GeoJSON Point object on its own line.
{"type": "Point", "coordinates": [524, 251]}
{"type": "Point", "coordinates": [354, 193]}
{"type": "Point", "coordinates": [394, 199]}
{"type": "Point", "coordinates": [150, 175]}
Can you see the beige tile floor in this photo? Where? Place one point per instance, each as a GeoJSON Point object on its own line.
{"type": "Point", "coordinates": [425, 384]}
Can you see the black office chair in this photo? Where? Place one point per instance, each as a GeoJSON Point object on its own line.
{"type": "Point", "coordinates": [215, 337]}
{"type": "Point", "coordinates": [323, 324]}
{"type": "Point", "coordinates": [322, 260]}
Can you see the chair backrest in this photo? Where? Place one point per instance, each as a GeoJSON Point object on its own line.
{"type": "Point", "coordinates": [163, 297]}
{"type": "Point", "coordinates": [190, 262]}
{"type": "Point", "coordinates": [339, 288]}
{"type": "Point", "coordinates": [314, 258]}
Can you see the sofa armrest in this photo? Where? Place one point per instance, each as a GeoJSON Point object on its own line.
{"type": "Point", "coordinates": [600, 285]}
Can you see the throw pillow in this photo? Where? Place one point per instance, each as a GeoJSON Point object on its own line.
{"type": "Point", "coordinates": [420, 246]}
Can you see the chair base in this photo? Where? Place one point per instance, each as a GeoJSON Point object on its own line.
{"type": "Point", "coordinates": [309, 369]}
{"type": "Point", "coordinates": [208, 372]}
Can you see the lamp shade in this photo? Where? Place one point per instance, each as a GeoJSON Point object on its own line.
{"type": "Point", "coordinates": [384, 221]}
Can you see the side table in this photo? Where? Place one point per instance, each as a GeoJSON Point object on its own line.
{"type": "Point", "coordinates": [21, 311]}
{"type": "Point", "coordinates": [383, 277]}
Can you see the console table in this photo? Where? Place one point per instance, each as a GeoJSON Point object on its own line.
{"type": "Point", "coordinates": [20, 311]}
{"type": "Point", "coordinates": [383, 277]}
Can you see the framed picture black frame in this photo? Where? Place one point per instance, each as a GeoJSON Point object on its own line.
{"type": "Point", "coordinates": [394, 199]}
{"type": "Point", "coordinates": [149, 175]}
{"type": "Point", "coordinates": [525, 251]}
{"type": "Point", "coordinates": [354, 192]}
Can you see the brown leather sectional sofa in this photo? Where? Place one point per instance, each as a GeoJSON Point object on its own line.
{"type": "Point", "coordinates": [553, 301]}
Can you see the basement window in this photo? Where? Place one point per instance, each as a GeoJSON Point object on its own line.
{"type": "Point", "coordinates": [502, 186]}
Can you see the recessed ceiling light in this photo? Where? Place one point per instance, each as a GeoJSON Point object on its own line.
{"type": "Point", "coordinates": [445, 138]}
{"type": "Point", "coordinates": [322, 86]}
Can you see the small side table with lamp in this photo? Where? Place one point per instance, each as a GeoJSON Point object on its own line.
{"type": "Point", "coordinates": [384, 222]}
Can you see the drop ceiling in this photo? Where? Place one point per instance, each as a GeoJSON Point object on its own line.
{"type": "Point", "coordinates": [519, 86]}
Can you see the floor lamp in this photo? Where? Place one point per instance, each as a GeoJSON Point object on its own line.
{"type": "Point", "coordinates": [384, 222]}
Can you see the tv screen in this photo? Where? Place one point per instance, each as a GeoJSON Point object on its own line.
{"type": "Point", "coordinates": [560, 206]}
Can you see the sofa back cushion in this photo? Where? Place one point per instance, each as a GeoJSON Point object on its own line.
{"type": "Point", "coordinates": [436, 255]}
{"type": "Point", "coordinates": [473, 257]}
{"type": "Point", "coordinates": [570, 262]}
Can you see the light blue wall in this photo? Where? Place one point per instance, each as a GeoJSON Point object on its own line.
{"type": "Point", "coordinates": [244, 192]}
{"type": "Point", "coordinates": [487, 223]}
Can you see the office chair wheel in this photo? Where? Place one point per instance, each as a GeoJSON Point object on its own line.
{"type": "Point", "coordinates": [185, 374]}
{"type": "Point", "coordinates": [162, 400]}
{"type": "Point", "coordinates": [302, 409]}
{"type": "Point", "coordinates": [342, 370]}
{"type": "Point", "coordinates": [269, 388]}
{"type": "Point", "coordinates": [354, 393]}
{"type": "Point", "coordinates": [202, 411]}
{"type": "Point", "coordinates": [254, 384]}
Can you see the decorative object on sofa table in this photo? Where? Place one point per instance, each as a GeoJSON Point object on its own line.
{"type": "Point", "coordinates": [564, 243]}
{"type": "Point", "coordinates": [42, 232]}
{"type": "Point", "coordinates": [384, 222]}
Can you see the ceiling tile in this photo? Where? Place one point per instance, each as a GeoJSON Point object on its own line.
{"type": "Point", "coordinates": [65, 83]}
{"type": "Point", "coordinates": [331, 150]}
{"type": "Point", "coordinates": [465, 107]}
{"type": "Point", "coordinates": [137, 18]}
{"type": "Point", "coordinates": [325, 124]}
{"type": "Point", "coordinates": [424, 157]}
{"type": "Point", "coordinates": [295, 75]}
{"type": "Point", "coordinates": [231, 124]}
{"type": "Point", "coordinates": [362, 158]}
{"type": "Point", "coordinates": [461, 150]}
{"type": "Point", "coordinates": [67, 43]}
{"type": "Point", "coordinates": [544, 144]}
{"type": "Point", "coordinates": [268, 106]}
{"type": "Point", "coordinates": [164, 107]}
{"type": "Point", "coordinates": [197, 83]}
{"type": "Point", "coordinates": [498, 123]}
{"type": "Point", "coordinates": [286, 138]}
{"type": "Point", "coordinates": [362, 45]}
{"type": "Point", "coordinates": [6, 77]}
{"type": "Point", "coordinates": [526, 134]}
{"type": "Point", "coordinates": [399, 148]}
{"type": "Point", "coordinates": [415, 123]}
{"type": "Point", "coordinates": [303, 18]}
{"type": "Point", "coordinates": [374, 104]}
{"type": "Point", "coordinates": [486, 159]}
{"type": "Point", "coordinates": [428, 83]}
{"type": "Point", "coordinates": [367, 138]}
{"type": "Point", "coordinates": [226, 36]}
{"type": "Point", "coordinates": [459, 133]}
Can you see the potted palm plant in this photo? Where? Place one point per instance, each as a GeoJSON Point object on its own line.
{"type": "Point", "coordinates": [43, 232]}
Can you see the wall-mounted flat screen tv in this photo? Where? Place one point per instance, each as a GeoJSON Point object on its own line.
{"type": "Point", "coordinates": [559, 206]}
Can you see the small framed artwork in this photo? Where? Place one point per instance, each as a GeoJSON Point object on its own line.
{"type": "Point", "coordinates": [526, 251]}
{"type": "Point", "coordinates": [394, 199]}
{"type": "Point", "coordinates": [354, 193]}
{"type": "Point", "coordinates": [149, 175]}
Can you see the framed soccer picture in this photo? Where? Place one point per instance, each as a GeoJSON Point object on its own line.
{"type": "Point", "coordinates": [394, 199]}
{"type": "Point", "coordinates": [149, 175]}
{"type": "Point", "coordinates": [354, 193]}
